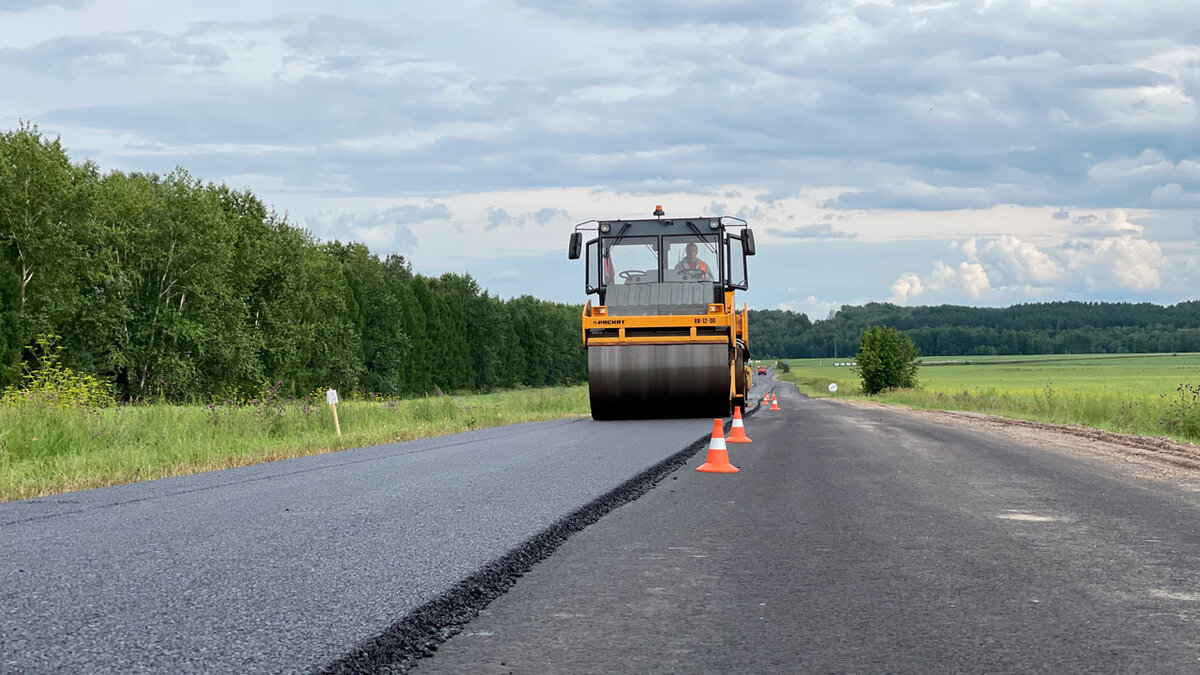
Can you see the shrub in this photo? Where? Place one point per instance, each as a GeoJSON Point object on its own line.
{"type": "Point", "coordinates": [887, 359]}
{"type": "Point", "coordinates": [782, 366]}
{"type": "Point", "coordinates": [52, 383]}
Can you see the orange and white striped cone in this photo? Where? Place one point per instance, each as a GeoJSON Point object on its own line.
{"type": "Point", "coordinates": [737, 433]}
{"type": "Point", "coordinates": [718, 455]}
{"type": "Point", "coordinates": [766, 398]}
{"type": "Point", "coordinates": [774, 402]}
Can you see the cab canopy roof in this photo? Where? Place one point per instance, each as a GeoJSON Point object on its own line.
{"type": "Point", "coordinates": [660, 225]}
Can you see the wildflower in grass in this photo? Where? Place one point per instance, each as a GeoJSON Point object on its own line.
{"type": "Point", "coordinates": [1183, 413]}
{"type": "Point", "coordinates": [214, 414]}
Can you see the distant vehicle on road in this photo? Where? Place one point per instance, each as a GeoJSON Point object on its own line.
{"type": "Point", "coordinates": [762, 370]}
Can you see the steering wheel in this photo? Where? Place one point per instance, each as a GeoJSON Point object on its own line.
{"type": "Point", "coordinates": [693, 274]}
{"type": "Point", "coordinates": [632, 276]}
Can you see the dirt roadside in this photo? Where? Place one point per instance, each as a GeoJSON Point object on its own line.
{"type": "Point", "coordinates": [1155, 455]}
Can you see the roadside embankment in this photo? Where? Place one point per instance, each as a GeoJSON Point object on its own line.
{"type": "Point", "coordinates": [47, 450]}
{"type": "Point", "coordinates": [1151, 395]}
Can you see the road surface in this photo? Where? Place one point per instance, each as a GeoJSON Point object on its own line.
{"type": "Point", "coordinates": [860, 540]}
{"type": "Point", "coordinates": [852, 540]}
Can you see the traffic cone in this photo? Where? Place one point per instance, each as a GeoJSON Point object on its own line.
{"type": "Point", "coordinates": [737, 433]}
{"type": "Point", "coordinates": [766, 398]}
{"type": "Point", "coordinates": [774, 402]}
{"type": "Point", "coordinates": [718, 456]}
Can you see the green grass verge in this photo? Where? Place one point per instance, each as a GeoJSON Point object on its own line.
{"type": "Point", "coordinates": [1155, 394]}
{"type": "Point", "coordinates": [45, 450]}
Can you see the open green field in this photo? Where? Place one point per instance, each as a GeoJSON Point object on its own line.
{"type": "Point", "coordinates": [1154, 394]}
{"type": "Point", "coordinates": [46, 450]}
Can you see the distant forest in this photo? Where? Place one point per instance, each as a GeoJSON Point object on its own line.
{"type": "Point", "coordinates": [951, 330]}
{"type": "Point", "coordinates": [174, 289]}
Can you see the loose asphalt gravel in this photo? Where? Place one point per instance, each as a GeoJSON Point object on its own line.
{"type": "Point", "coordinates": [350, 561]}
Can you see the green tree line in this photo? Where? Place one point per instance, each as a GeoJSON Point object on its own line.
{"type": "Point", "coordinates": [174, 289]}
{"type": "Point", "coordinates": [953, 330]}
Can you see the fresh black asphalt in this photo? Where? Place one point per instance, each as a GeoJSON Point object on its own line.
{"type": "Point", "coordinates": [318, 563]}
{"type": "Point", "coordinates": [865, 541]}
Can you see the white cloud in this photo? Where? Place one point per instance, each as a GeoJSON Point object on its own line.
{"type": "Point", "coordinates": [1111, 256]}
{"type": "Point", "coordinates": [907, 287]}
{"type": "Point", "coordinates": [1020, 261]}
{"type": "Point", "coordinates": [1152, 176]}
{"type": "Point", "coordinates": [1115, 222]}
{"type": "Point", "coordinates": [1174, 195]}
{"type": "Point", "coordinates": [392, 144]}
{"type": "Point", "coordinates": [967, 280]}
{"type": "Point", "coordinates": [1127, 263]}
{"type": "Point", "coordinates": [970, 278]}
{"type": "Point", "coordinates": [812, 306]}
{"type": "Point", "coordinates": [383, 230]}
{"type": "Point", "coordinates": [908, 193]}
{"type": "Point", "coordinates": [970, 248]}
{"type": "Point", "coordinates": [814, 231]}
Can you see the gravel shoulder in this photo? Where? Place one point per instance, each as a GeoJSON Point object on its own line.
{"type": "Point", "coordinates": [1148, 455]}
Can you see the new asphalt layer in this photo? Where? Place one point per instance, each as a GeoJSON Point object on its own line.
{"type": "Point", "coordinates": [861, 540]}
{"type": "Point", "coordinates": [352, 561]}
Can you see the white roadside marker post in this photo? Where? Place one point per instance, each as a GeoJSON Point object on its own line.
{"type": "Point", "coordinates": [332, 399]}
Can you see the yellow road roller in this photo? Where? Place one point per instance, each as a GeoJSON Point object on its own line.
{"type": "Point", "coordinates": [664, 338]}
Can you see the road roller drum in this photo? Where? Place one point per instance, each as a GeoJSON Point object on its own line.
{"type": "Point", "coordinates": [659, 381]}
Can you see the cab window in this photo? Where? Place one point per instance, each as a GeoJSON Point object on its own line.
{"type": "Point", "coordinates": [691, 257]}
{"type": "Point", "coordinates": [736, 264]}
{"type": "Point", "coordinates": [629, 260]}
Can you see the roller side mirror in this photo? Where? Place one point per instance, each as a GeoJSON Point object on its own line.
{"type": "Point", "coordinates": [748, 241]}
{"type": "Point", "coordinates": [575, 246]}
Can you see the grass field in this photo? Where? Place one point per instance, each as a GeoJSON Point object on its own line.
{"type": "Point", "coordinates": [1154, 394]}
{"type": "Point", "coordinates": [46, 450]}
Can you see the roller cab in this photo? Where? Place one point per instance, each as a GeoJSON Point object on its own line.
{"type": "Point", "coordinates": [663, 335]}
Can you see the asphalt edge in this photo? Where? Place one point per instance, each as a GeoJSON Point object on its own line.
{"type": "Point", "coordinates": [398, 648]}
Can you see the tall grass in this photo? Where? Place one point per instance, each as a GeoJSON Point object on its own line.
{"type": "Point", "coordinates": [1117, 400]}
{"type": "Point", "coordinates": [46, 450]}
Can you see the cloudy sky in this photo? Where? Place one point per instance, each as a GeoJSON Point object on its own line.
{"type": "Point", "coordinates": [983, 152]}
